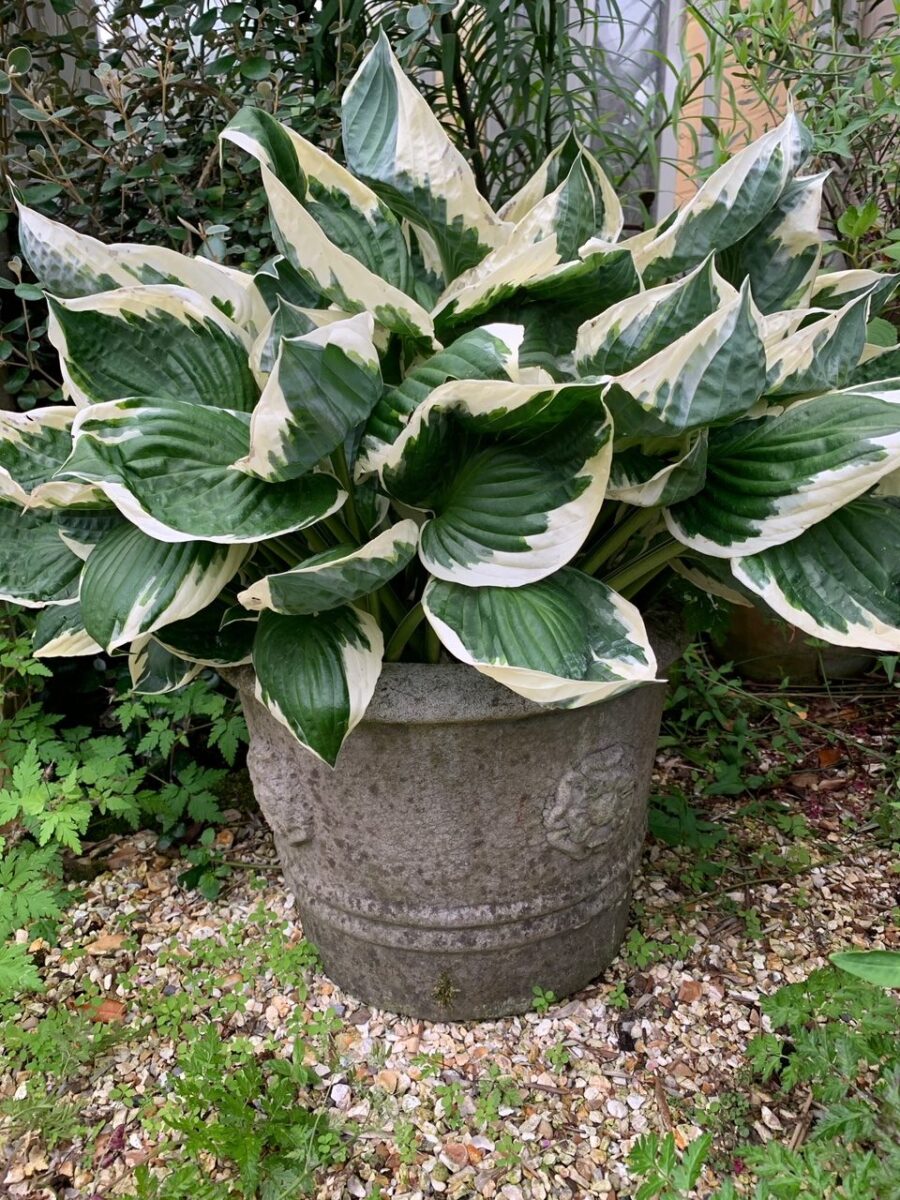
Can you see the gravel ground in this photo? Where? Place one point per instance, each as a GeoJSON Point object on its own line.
{"type": "Point", "coordinates": [548, 1104]}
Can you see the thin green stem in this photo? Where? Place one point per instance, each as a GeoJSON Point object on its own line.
{"type": "Point", "coordinates": [335, 525]}
{"type": "Point", "coordinates": [432, 645]}
{"type": "Point", "coordinates": [403, 633]}
{"type": "Point", "coordinates": [342, 470]}
{"type": "Point", "coordinates": [391, 603]}
{"type": "Point", "coordinates": [643, 569]}
{"type": "Point", "coordinates": [616, 539]}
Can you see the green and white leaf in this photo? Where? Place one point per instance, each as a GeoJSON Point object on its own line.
{"type": "Point", "coordinates": [640, 476]}
{"type": "Point", "coordinates": [278, 280]}
{"type": "Point", "coordinates": [83, 528]}
{"type": "Point", "coordinates": [821, 356]}
{"type": "Point", "coordinates": [337, 576]}
{"type": "Point", "coordinates": [715, 372]}
{"type": "Point", "coordinates": [133, 584]}
{"type": "Point", "coordinates": [36, 567]}
{"type": "Point", "coordinates": [567, 640]}
{"type": "Point", "coordinates": [711, 575]}
{"type": "Point", "coordinates": [154, 670]}
{"type": "Point", "coordinates": [33, 446]}
{"type": "Point", "coordinates": [876, 363]}
{"type": "Point", "coordinates": [316, 674]}
{"type": "Point", "coordinates": [840, 580]}
{"type": "Point", "coordinates": [151, 341]}
{"type": "Point", "coordinates": [835, 289]}
{"type": "Point", "coordinates": [324, 384]}
{"type": "Point", "coordinates": [59, 632]}
{"type": "Point", "coordinates": [133, 450]}
{"type": "Point", "coordinates": [770, 479]}
{"type": "Point", "coordinates": [287, 321]}
{"type": "Point", "coordinates": [221, 635]}
{"type": "Point", "coordinates": [392, 139]}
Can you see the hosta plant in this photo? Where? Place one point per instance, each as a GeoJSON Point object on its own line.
{"type": "Point", "coordinates": [431, 427]}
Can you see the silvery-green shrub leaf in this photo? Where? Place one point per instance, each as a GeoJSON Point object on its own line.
{"type": "Point", "coordinates": [489, 352]}
{"type": "Point", "coordinates": [278, 280]}
{"type": "Point", "coordinates": [835, 289]}
{"type": "Point", "coordinates": [346, 282]}
{"type": "Point", "coordinates": [33, 446]}
{"type": "Point", "coordinates": [715, 372]}
{"type": "Point", "coordinates": [734, 200]}
{"type": "Point", "coordinates": [781, 255]}
{"type": "Point", "coordinates": [70, 264]}
{"type": "Point", "coordinates": [151, 341]}
{"type": "Point", "coordinates": [633, 330]}
{"type": "Point", "coordinates": [167, 465]}
{"type": "Point", "coordinates": [337, 576]}
{"type": "Point", "coordinates": [154, 670]}
{"type": "Point", "coordinates": [820, 356]}
{"type": "Point", "coordinates": [59, 632]}
{"type": "Point", "coordinates": [642, 476]}
{"type": "Point", "coordinates": [876, 363]}
{"type": "Point", "coordinates": [218, 636]}
{"type": "Point", "coordinates": [840, 580]}
{"type": "Point", "coordinates": [36, 567]}
{"type": "Point", "coordinates": [316, 674]}
{"type": "Point", "coordinates": [393, 140]}
{"type": "Point", "coordinates": [770, 479]}
{"type": "Point", "coordinates": [513, 473]}
{"type": "Point", "coordinates": [133, 584]}
{"type": "Point", "coordinates": [287, 321]}
{"type": "Point", "coordinates": [348, 212]}
{"type": "Point", "coordinates": [567, 640]}
{"type": "Point", "coordinates": [323, 385]}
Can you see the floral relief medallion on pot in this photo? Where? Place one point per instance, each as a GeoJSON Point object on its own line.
{"type": "Point", "coordinates": [591, 802]}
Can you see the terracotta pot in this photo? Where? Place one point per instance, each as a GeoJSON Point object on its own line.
{"type": "Point", "coordinates": [766, 649]}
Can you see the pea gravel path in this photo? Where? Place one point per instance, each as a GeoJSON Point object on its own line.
{"type": "Point", "coordinates": [549, 1104]}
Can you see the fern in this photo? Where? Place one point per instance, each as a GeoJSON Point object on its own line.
{"type": "Point", "coordinates": [29, 888]}
{"type": "Point", "coordinates": [18, 972]}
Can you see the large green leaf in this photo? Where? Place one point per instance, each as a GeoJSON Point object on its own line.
{"type": "Point", "coordinates": [132, 584]}
{"type": "Point", "coordinates": [316, 674]}
{"type": "Point", "coordinates": [33, 446]}
{"type": "Point", "coordinates": [881, 967]}
{"type": "Point", "coordinates": [393, 140]}
{"type": "Point", "coordinates": [337, 576]}
{"type": "Point", "coordinates": [840, 580]}
{"type": "Point", "coordinates": [167, 465]}
{"type": "Point", "coordinates": [820, 356]}
{"type": "Point", "coordinates": [59, 632]}
{"type": "Point", "coordinates": [36, 567]}
{"type": "Point", "coordinates": [323, 385]}
{"type": "Point", "coordinates": [220, 635]}
{"type": "Point", "coordinates": [287, 321]}
{"type": "Point", "coordinates": [567, 640]}
{"type": "Point", "coordinates": [770, 479]}
{"type": "Point", "coordinates": [154, 670]}
{"type": "Point", "coordinates": [876, 364]}
{"type": "Point", "coordinates": [151, 341]}
{"type": "Point", "coordinates": [835, 289]}
{"type": "Point", "coordinates": [648, 475]}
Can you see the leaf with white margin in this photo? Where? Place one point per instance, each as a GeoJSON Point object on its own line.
{"type": "Point", "coordinates": [641, 477]}
{"type": "Point", "coordinates": [770, 479]}
{"type": "Point", "coordinates": [710, 375]}
{"type": "Point", "coordinates": [393, 140]}
{"type": "Point", "coordinates": [568, 640]}
{"type": "Point", "coordinates": [133, 584]}
{"type": "Point", "coordinates": [151, 341]}
{"type": "Point", "coordinates": [316, 674]}
{"type": "Point", "coordinates": [278, 280]}
{"type": "Point", "coordinates": [36, 567]}
{"type": "Point", "coordinates": [33, 446]}
{"type": "Point", "coordinates": [221, 635]}
{"type": "Point", "coordinates": [287, 321]}
{"type": "Point", "coordinates": [820, 356]}
{"type": "Point", "coordinates": [323, 385]}
{"type": "Point", "coordinates": [335, 577]}
{"type": "Point", "coordinates": [876, 363]}
{"type": "Point", "coordinates": [781, 255]}
{"type": "Point", "coordinates": [514, 508]}
{"type": "Point", "coordinates": [489, 352]}
{"type": "Point", "coordinates": [69, 264]}
{"type": "Point", "coordinates": [835, 289]}
{"type": "Point", "coordinates": [628, 333]}
{"type": "Point", "coordinates": [167, 465]}
{"type": "Point", "coordinates": [734, 200]}
{"type": "Point", "coordinates": [83, 528]}
{"type": "Point", "coordinates": [711, 575]}
{"type": "Point", "coordinates": [840, 580]}
{"type": "Point", "coordinates": [346, 282]}
{"type": "Point", "coordinates": [155, 671]}
{"type": "Point", "coordinates": [60, 633]}
{"type": "Point", "coordinates": [348, 212]}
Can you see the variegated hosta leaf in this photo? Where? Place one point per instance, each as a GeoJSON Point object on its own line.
{"type": "Point", "coordinates": [278, 280]}
{"type": "Point", "coordinates": [567, 640]}
{"type": "Point", "coordinates": [132, 584]}
{"type": "Point", "coordinates": [287, 321]}
{"type": "Point", "coordinates": [70, 264]}
{"type": "Point", "coordinates": [770, 479]}
{"type": "Point", "coordinates": [167, 465]}
{"type": "Point", "coordinates": [715, 372]}
{"type": "Point", "coordinates": [820, 356]}
{"type": "Point", "coordinates": [628, 333]}
{"type": "Point", "coordinates": [154, 670]}
{"type": "Point", "coordinates": [221, 635]}
{"type": "Point", "coordinates": [36, 567]}
{"type": "Point", "coordinates": [83, 528]}
{"type": "Point", "coordinates": [640, 475]}
{"type": "Point", "coordinates": [840, 580]}
{"type": "Point", "coordinates": [392, 139]}
{"type": "Point", "coordinates": [349, 214]}
{"type": "Point", "coordinates": [151, 341]}
{"type": "Point", "coordinates": [876, 363]}
{"type": "Point", "coordinates": [316, 674]}
{"type": "Point", "coordinates": [490, 352]}
{"type": "Point", "coordinates": [835, 289]}
{"type": "Point", "coordinates": [781, 255]}
{"type": "Point", "coordinates": [512, 509]}
{"type": "Point", "coordinates": [33, 446]}
{"type": "Point", "coordinates": [733, 201]}
{"type": "Point", "coordinates": [323, 385]}
{"type": "Point", "coordinates": [345, 281]}
{"type": "Point", "coordinates": [337, 576]}
{"type": "Point", "coordinates": [711, 575]}
{"type": "Point", "coordinates": [59, 632]}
